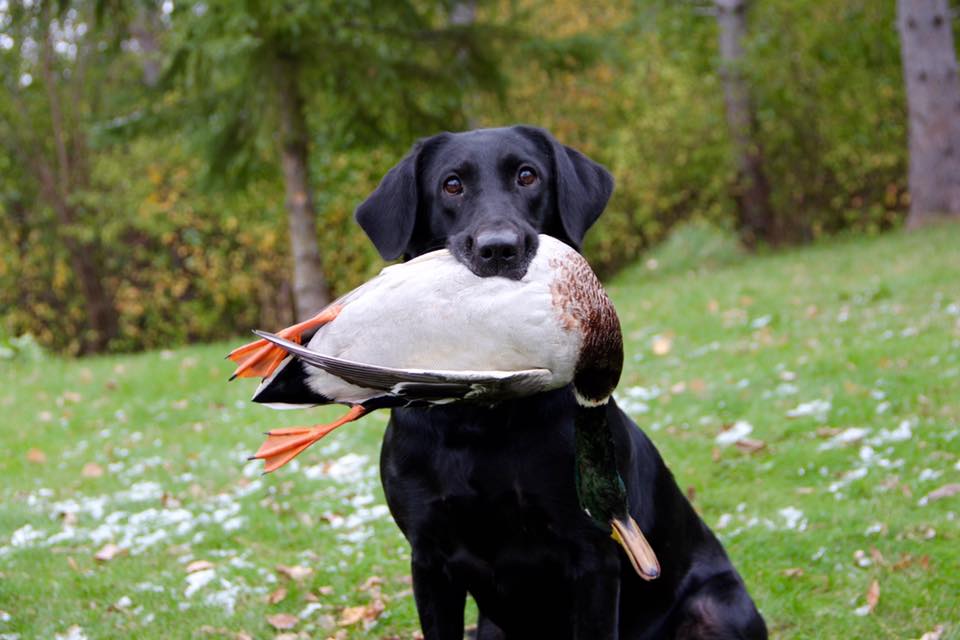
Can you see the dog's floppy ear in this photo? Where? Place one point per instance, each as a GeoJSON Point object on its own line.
{"type": "Point", "coordinates": [583, 186]}
{"type": "Point", "coordinates": [389, 214]}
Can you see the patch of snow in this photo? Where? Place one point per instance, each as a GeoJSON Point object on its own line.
{"type": "Point", "coordinates": [818, 409]}
{"type": "Point", "coordinates": [929, 474]}
{"type": "Point", "coordinates": [740, 429]}
{"type": "Point", "coordinates": [848, 477]}
{"type": "Point", "coordinates": [724, 520]}
{"type": "Point", "coordinates": [903, 432]}
{"type": "Point", "coordinates": [197, 580]}
{"type": "Point", "coordinates": [875, 528]}
{"type": "Point", "coordinates": [25, 536]}
{"type": "Point", "coordinates": [309, 610]}
{"type": "Point", "coordinates": [348, 468]}
{"type": "Point", "coordinates": [75, 632]}
{"type": "Point", "coordinates": [793, 518]}
{"type": "Point", "coordinates": [847, 436]}
{"type": "Point", "coordinates": [643, 393]}
{"type": "Point", "coordinates": [225, 597]}
{"type": "Point", "coordinates": [787, 389]}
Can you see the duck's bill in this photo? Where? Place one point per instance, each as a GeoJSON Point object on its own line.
{"type": "Point", "coordinates": [638, 550]}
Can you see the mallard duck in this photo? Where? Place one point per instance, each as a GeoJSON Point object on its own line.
{"type": "Point", "coordinates": [428, 331]}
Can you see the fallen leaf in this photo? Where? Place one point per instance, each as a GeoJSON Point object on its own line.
{"type": "Point", "coordinates": [36, 456]}
{"type": "Point", "coordinates": [750, 445]}
{"type": "Point", "coordinates": [934, 634]}
{"type": "Point", "coordinates": [72, 563]}
{"type": "Point", "coordinates": [371, 582]}
{"type": "Point", "coordinates": [295, 573]}
{"type": "Point", "coordinates": [108, 552]}
{"type": "Point", "coordinates": [828, 432]}
{"type": "Point", "coordinates": [873, 596]}
{"type": "Point", "coordinates": [877, 556]}
{"type": "Point", "coordinates": [661, 345]}
{"type": "Point", "coordinates": [199, 565]}
{"type": "Point", "coordinates": [715, 454]}
{"type": "Point", "coordinates": [905, 561]}
{"type": "Point", "coordinates": [281, 621]}
{"type": "Point", "coordinates": [91, 470]}
{"type": "Point", "coordinates": [310, 596]}
{"type": "Point", "coordinates": [72, 396]}
{"type": "Point", "coordinates": [945, 491]}
{"type": "Point", "coordinates": [352, 615]}
{"type": "Point", "coordinates": [793, 572]}
{"type": "Point", "coordinates": [325, 590]}
{"type": "Point", "coordinates": [277, 595]}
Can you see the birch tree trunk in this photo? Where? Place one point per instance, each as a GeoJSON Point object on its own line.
{"type": "Point", "coordinates": [310, 290]}
{"type": "Point", "coordinates": [756, 219]}
{"type": "Point", "coordinates": [933, 104]}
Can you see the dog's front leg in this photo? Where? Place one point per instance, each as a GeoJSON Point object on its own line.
{"type": "Point", "coordinates": [440, 601]}
{"type": "Point", "coordinates": [597, 604]}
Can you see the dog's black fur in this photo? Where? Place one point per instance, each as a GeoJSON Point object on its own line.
{"type": "Point", "coordinates": [485, 495]}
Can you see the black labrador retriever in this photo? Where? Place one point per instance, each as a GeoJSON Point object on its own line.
{"type": "Point", "coordinates": [486, 496]}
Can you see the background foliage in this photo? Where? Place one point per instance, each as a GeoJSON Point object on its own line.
{"type": "Point", "coordinates": [633, 85]}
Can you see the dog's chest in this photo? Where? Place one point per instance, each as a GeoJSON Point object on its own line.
{"type": "Point", "coordinates": [490, 492]}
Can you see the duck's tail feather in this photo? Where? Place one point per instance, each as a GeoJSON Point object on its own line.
{"type": "Point", "coordinates": [287, 388]}
{"type": "Point", "coordinates": [261, 358]}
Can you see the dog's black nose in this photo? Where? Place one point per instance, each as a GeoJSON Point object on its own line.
{"type": "Point", "coordinates": [500, 246]}
{"type": "Point", "coordinates": [501, 252]}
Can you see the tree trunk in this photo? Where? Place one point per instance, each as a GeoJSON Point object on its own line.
{"type": "Point", "coordinates": [463, 14]}
{"type": "Point", "coordinates": [145, 29]}
{"type": "Point", "coordinates": [58, 179]}
{"type": "Point", "coordinates": [756, 219]}
{"type": "Point", "coordinates": [310, 289]}
{"type": "Point", "coordinates": [933, 102]}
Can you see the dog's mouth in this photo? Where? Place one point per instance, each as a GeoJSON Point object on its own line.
{"type": "Point", "coordinates": [503, 253]}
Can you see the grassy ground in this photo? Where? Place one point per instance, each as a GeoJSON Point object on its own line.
{"type": "Point", "coordinates": [858, 341]}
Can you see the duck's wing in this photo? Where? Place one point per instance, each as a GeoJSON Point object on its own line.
{"type": "Point", "coordinates": [422, 384]}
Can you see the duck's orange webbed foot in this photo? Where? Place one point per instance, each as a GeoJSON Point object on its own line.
{"type": "Point", "coordinates": [283, 445]}
{"type": "Point", "coordinates": [261, 358]}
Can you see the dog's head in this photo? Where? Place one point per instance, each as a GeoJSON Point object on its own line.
{"type": "Point", "coordinates": [485, 195]}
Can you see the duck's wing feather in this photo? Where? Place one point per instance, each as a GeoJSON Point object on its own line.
{"type": "Point", "coordinates": [433, 385]}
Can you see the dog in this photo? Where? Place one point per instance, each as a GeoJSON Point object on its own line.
{"type": "Point", "coordinates": [485, 495]}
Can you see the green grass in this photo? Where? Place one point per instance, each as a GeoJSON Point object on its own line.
{"type": "Point", "coordinates": [870, 328]}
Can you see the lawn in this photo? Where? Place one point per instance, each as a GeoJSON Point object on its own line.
{"type": "Point", "coordinates": [808, 401]}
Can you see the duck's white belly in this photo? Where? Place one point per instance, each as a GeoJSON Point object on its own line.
{"type": "Point", "coordinates": [436, 314]}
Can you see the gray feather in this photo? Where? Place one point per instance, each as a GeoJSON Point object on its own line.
{"type": "Point", "coordinates": [422, 383]}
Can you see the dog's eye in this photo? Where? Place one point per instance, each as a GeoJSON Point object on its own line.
{"type": "Point", "coordinates": [526, 176]}
{"type": "Point", "coordinates": [452, 185]}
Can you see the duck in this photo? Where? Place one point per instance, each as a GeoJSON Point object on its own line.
{"type": "Point", "coordinates": [430, 332]}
